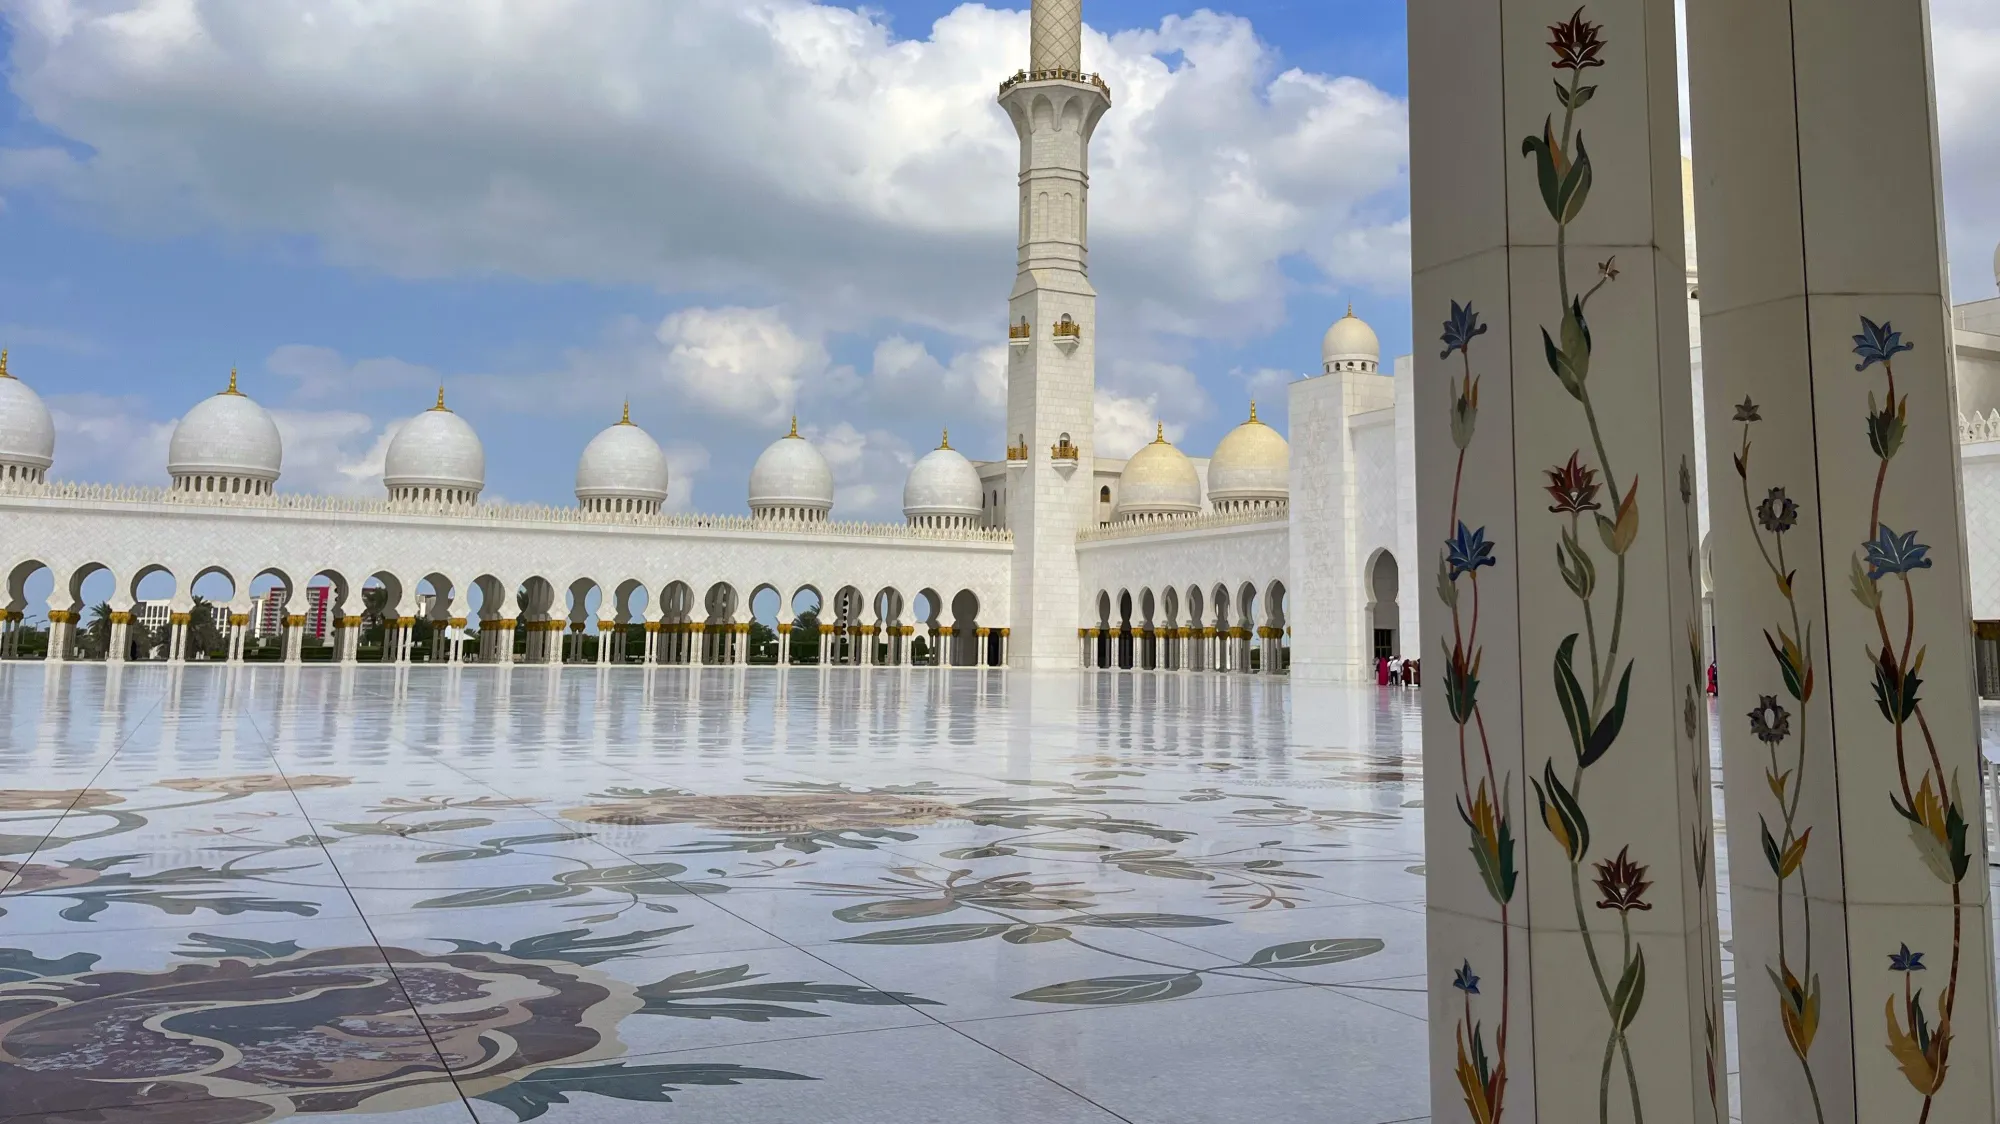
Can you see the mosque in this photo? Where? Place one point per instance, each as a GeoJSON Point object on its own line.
{"type": "Point", "coordinates": [1047, 557]}
{"type": "Point", "coordinates": [1270, 555]}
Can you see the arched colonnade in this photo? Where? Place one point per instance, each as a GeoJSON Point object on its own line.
{"type": "Point", "coordinates": [1199, 627]}
{"type": "Point", "coordinates": [331, 615]}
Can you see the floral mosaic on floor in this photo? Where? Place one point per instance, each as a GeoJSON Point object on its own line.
{"type": "Point", "coordinates": [256, 904]}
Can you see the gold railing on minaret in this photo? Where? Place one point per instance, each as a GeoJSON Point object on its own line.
{"type": "Point", "coordinates": [1067, 329]}
{"type": "Point", "coordinates": [1062, 450]}
{"type": "Point", "coordinates": [1019, 332]}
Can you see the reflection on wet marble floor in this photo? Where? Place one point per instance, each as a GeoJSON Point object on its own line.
{"type": "Point", "coordinates": [236, 895]}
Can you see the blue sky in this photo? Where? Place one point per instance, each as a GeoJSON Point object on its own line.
{"type": "Point", "coordinates": [135, 282]}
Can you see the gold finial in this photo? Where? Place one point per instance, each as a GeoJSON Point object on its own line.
{"type": "Point", "coordinates": [440, 402]}
{"type": "Point", "coordinates": [1350, 310]}
{"type": "Point", "coordinates": [1253, 409]}
{"type": "Point", "coordinates": [232, 384]}
{"type": "Point", "coordinates": [945, 441]}
{"type": "Point", "coordinates": [626, 417]}
{"type": "Point", "coordinates": [1159, 433]}
{"type": "Point", "coordinates": [3, 364]}
{"type": "Point", "coordinates": [795, 426]}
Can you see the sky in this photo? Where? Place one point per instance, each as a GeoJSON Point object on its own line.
{"type": "Point", "coordinates": [725, 211]}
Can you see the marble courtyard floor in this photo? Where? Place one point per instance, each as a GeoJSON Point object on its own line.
{"type": "Point", "coordinates": [882, 896]}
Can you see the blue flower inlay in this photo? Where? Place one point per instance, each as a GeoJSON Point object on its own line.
{"type": "Point", "coordinates": [1878, 343]}
{"type": "Point", "coordinates": [1468, 550]}
{"type": "Point", "coordinates": [1464, 980]}
{"type": "Point", "coordinates": [1906, 961]}
{"type": "Point", "coordinates": [1891, 553]}
{"type": "Point", "coordinates": [1459, 330]}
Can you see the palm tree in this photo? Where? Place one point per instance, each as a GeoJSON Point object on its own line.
{"type": "Point", "coordinates": [202, 634]}
{"type": "Point", "coordinates": [96, 635]}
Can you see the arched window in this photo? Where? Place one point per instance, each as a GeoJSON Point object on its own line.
{"type": "Point", "coordinates": [1104, 494]}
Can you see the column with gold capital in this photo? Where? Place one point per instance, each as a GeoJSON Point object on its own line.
{"type": "Point", "coordinates": [1574, 954]}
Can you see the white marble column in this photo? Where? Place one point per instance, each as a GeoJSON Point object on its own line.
{"type": "Point", "coordinates": [62, 625]}
{"type": "Point", "coordinates": [1850, 726]}
{"type": "Point", "coordinates": [1574, 957]}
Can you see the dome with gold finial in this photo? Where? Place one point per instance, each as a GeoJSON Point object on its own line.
{"type": "Point", "coordinates": [1159, 481]}
{"type": "Point", "coordinates": [1252, 467]}
{"type": "Point", "coordinates": [226, 445]}
{"type": "Point", "coordinates": [1350, 345]}
{"type": "Point", "coordinates": [622, 470]}
{"type": "Point", "coordinates": [791, 480]}
{"type": "Point", "coordinates": [27, 432]}
{"type": "Point", "coordinates": [435, 458]}
{"type": "Point", "coordinates": [943, 489]}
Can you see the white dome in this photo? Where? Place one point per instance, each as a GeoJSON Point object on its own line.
{"type": "Point", "coordinates": [435, 457]}
{"type": "Point", "coordinates": [227, 436]}
{"type": "Point", "coordinates": [27, 434]}
{"type": "Point", "coordinates": [1996, 267]}
{"type": "Point", "coordinates": [791, 479]}
{"type": "Point", "coordinates": [623, 462]}
{"type": "Point", "coordinates": [1159, 480]}
{"type": "Point", "coordinates": [942, 484]}
{"type": "Point", "coordinates": [1350, 340]}
{"type": "Point", "coordinates": [1253, 464]}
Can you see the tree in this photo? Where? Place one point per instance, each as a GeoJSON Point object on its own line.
{"type": "Point", "coordinates": [95, 639]}
{"type": "Point", "coordinates": [202, 634]}
{"type": "Point", "coordinates": [763, 642]}
{"type": "Point", "coordinates": [805, 637]}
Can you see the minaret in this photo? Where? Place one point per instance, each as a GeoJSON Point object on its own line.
{"type": "Point", "coordinates": [1052, 323]}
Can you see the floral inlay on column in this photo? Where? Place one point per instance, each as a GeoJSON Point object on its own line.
{"type": "Point", "coordinates": [1481, 1077]}
{"type": "Point", "coordinates": [1593, 704]}
{"type": "Point", "coordinates": [1797, 985]}
{"type": "Point", "coordinates": [1938, 826]}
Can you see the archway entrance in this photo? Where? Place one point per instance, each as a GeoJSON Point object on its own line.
{"type": "Point", "coordinates": [1384, 584]}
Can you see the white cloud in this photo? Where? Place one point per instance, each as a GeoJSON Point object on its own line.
{"type": "Point", "coordinates": [686, 461]}
{"type": "Point", "coordinates": [779, 149]}
{"type": "Point", "coordinates": [333, 452]}
{"type": "Point", "coordinates": [868, 470]}
{"type": "Point", "coordinates": [740, 363]}
{"type": "Point", "coordinates": [100, 437]}
{"type": "Point", "coordinates": [905, 381]}
{"type": "Point", "coordinates": [1124, 423]}
{"type": "Point", "coordinates": [1169, 388]}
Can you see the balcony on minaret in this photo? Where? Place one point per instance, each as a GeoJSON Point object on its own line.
{"type": "Point", "coordinates": [1067, 332]}
{"type": "Point", "coordinates": [1063, 453]}
{"type": "Point", "coordinates": [1018, 335]}
{"type": "Point", "coordinates": [1017, 453]}
{"type": "Point", "coordinates": [1055, 75]}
